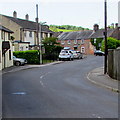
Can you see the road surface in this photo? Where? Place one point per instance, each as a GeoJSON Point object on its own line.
{"type": "Point", "coordinates": [58, 91]}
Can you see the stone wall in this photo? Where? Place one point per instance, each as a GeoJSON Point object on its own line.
{"type": "Point", "coordinates": [114, 64]}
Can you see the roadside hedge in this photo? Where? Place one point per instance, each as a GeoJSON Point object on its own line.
{"type": "Point", "coordinates": [32, 56]}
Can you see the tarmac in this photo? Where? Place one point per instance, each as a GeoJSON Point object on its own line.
{"type": "Point", "coordinates": [95, 76]}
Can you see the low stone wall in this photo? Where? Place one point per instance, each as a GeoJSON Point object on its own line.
{"type": "Point", "coordinates": [114, 64]}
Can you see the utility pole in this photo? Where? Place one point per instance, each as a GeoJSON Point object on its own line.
{"type": "Point", "coordinates": [38, 30]}
{"type": "Point", "coordinates": [105, 34]}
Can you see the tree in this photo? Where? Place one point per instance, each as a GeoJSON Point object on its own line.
{"type": "Point", "coordinates": [52, 47]}
{"type": "Point", "coordinates": [97, 43]}
{"type": "Point", "coordinates": [112, 43]}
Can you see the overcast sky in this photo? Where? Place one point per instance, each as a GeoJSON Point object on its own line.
{"type": "Point", "coordinates": [83, 13]}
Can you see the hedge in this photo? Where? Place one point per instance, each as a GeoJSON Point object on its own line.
{"type": "Point", "coordinates": [32, 56]}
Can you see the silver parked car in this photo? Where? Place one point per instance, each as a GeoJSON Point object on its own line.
{"type": "Point", "coordinates": [77, 55]}
{"type": "Point", "coordinates": [66, 54]}
{"type": "Point", "coordinates": [19, 61]}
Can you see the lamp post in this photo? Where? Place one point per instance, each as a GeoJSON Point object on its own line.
{"type": "Point", "coordinates": [105, 34]}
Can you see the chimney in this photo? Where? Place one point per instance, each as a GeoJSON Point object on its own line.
{"type": "Point", "coordinates": [15, 14]}
{"type": "Point", "coordinates": [96, 27]}
{"type": "Point", "coordinates": [116, 25]}
{"type": "Point", "coordinates": [27, 17]}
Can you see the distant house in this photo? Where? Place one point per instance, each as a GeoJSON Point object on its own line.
{"type": "Point", "coordinates": [111, 32]}
{"type": "Point", "coordinates": [79, 40]}
{"type": "Point", "coordinates": [6, 49]}
{"type": "Point", "coordinates": [25, 31]}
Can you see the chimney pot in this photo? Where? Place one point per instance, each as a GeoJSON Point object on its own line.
{"type": "Point", "coordinates": [15, 14]}
{"type": "Point", "coordinates": [96, 27]}
{"type": "Point", "coordinates": [27, 17]}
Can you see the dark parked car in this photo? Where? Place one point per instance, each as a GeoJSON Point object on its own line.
{"type": "Point", "coordinates": [19, 61]}
{"type": "Point", "coordinates": [99, 52]}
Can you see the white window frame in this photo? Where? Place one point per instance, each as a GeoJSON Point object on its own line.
{"type": "Point", "coordinates": [62, 42]}
{"type": "Point", "coordinates": [30, 33]}
{"type": "Point", "coordinates": [69, 42]}
{"type": "Point", "coordinates": [82, 49]}
{"type": "Point", "coordinates": [82, 41]}
{"type": "Point", "coordinates": [75, 41]}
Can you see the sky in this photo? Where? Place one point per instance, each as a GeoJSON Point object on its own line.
{"type": "Point", "coordinates": [83, 13]}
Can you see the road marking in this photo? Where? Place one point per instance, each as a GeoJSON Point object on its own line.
{"type": "Point", "coordinates": [42, 83]}
{"type": "Point", "coordinates": [19, 93]}
{"type": "Point", "coordinates": [42, 76]}
{"type": "Point", "coordinates": [96, 116]}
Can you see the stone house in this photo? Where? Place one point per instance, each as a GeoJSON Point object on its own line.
{"type": "Point", "coordinates": [25, 30]}
{"type": "Point", "coordinates": [111, 32]}
{"type": "Point", "coordinates": [79, 40]}
{"type": "Point", "coordinates": [6, 49]}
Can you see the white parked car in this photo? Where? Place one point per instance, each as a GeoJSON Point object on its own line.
{"type": "Point", "coordinates": [19, 61]}
{"type": "Point", "coordinates": [66, 54]}
{"type": "Point", "coordinates": [77, 55]}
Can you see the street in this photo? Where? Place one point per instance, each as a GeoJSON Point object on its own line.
{"type": "Point", "coordinates": [58, 91]}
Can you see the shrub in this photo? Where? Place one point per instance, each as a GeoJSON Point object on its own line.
{"type": "Point", "coordinates": [32, 56]}
{"type": "Point", "coordinates": [112, 43]}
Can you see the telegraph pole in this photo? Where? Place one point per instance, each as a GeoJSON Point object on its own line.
{"type": "Point", "coordinates": [38, 29]}
{"type": "Point", "coordinates": [105, 34]}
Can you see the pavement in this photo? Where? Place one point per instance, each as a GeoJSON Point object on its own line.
{"type": "Point", "coordinates": [18, 68]}
{"type": "Point", "coordinates": [98, 77]}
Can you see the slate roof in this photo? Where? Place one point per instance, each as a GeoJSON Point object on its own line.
{"type": "Point", "coordinates": [5, 29]}
{"type": "Point", "coordinates": [78, 35]}
{"type": "Point", "coordinates": [100, 33]}
{"type": "Point", "coordinates": [26, 24]}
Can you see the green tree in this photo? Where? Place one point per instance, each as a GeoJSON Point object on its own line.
{"type": "Point", "coordinates": [52, 48]}
{"type": "Point", "coordinates": [51, 44]}
{"type": "Point", "coordinates": [112, 43]}
{"type": "Point", "coordinates": [97, 43]}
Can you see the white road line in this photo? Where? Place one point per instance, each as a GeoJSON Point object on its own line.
{"type": "Point", "coordinates": [42, 83]}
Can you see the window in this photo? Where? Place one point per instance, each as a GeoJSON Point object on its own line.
{"type": "Point", "coordinates": [9, 37]}
{"type": "Point", "coordinates": [82, 49]}
{"type": "Point", "coordinates": [21, 48]}
{"type": "Point", "coordinates": [75, 41]}
{"type": "Point", "coordinates": [10, 58]}
{"type": "Point", "coordinates": [82, 41]}
{"type": "Point", "coordinates": [69, 42]}
{"type": "Point", "coordinates": [62, 42]}
{"type": "Point", "coordinates": [25, 33]}
{"type": "Point", "coordinates": [30, 34]}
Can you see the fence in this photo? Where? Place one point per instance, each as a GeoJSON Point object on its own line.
{"type": "Point", "coordinates": [114, 64]}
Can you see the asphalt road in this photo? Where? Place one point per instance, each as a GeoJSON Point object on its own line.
{"type": "Point", "coordinates": [58, 91]}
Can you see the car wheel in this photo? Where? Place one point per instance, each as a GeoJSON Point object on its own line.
{"type": "Point", "coordinates": [17, 63]}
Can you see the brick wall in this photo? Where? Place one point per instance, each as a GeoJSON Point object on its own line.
{"type": "Point", "coordinates": [81, 44]}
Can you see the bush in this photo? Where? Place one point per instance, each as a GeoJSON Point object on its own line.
{"type": "Point", "coordinates": [32, 56]}
{"type": "Point", "coordinates": [112, 43]}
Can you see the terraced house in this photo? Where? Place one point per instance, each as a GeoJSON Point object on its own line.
{"type": "Point", "coordinates": [79, 41]}
{"type": "Point", "coordinates": [25, 31]}
{"type": "Point", "coordinates": [6, 49]}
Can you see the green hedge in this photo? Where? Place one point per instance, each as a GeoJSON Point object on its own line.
{"type": "Point", "coordinates": [32, 56]}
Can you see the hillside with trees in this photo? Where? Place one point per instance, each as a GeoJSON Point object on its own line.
{"type": "Point", "coordinates": [66, 28]}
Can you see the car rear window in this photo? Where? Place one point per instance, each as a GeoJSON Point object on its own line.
{"type": "Point", "coordinates": [64, 51]}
